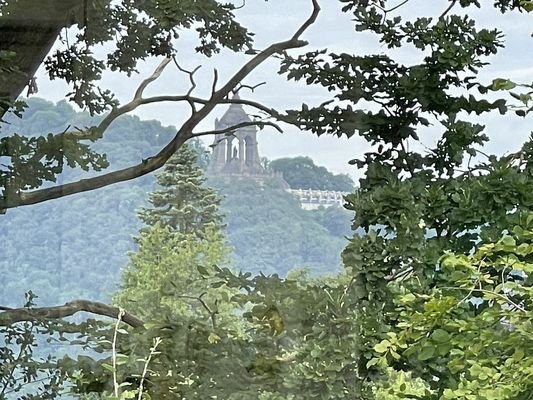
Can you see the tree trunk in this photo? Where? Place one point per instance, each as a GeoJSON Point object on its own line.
{"type": "Point", "coordinates": [29, 28]}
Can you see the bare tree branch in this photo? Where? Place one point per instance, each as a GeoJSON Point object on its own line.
{"type": "Point", "coordinates": [157, 73]}
{"type": "Point", "coordinates": [310, 21]}
{"type": "Point", "coordinates": [232, 128]}
{"type": "Point", "coordinates": [448, 9]}
{"type": "Point", "coordinates": [250, 87]}
{"type": "Point", "coordinates": [212, 313]}
{"type": "Point", "coordinates": [399, 273]}
{"type": "Point", "coordinates": [189, 73]}
{"type": "Point", "coordinates": [184, 133]}
{"type": "Point", "coordinates": [97, 132]}
{"type": "Point", "coordinates": [14, 315]}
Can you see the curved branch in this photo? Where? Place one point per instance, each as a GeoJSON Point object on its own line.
{"type": "Point", "coordinates": [185, 132]}
{"type": "Point", "coordinates": [310, 21]}
{"type": "Point", "coordinates": [157, 73]}
{"type": "Point", "coordinates": [11, 316]}
{"type": "Point", "coordinates": [97, 132]}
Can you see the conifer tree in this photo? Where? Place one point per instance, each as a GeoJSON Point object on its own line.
{"type": "Point", "coordinates": [183, 203]}
{"type": "Point", "coordinates": [181, 244]}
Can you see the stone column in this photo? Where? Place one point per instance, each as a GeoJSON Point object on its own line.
{"type": "Point", "coordinates": [241, 154]}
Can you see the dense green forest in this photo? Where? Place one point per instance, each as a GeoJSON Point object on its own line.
{"type": "Point", "coordinates": [78, 245]}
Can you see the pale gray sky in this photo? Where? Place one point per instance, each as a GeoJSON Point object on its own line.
{"type": "Point", "coordinates": [277, 20]}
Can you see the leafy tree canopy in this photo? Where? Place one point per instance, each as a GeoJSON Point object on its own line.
{"type": "Point", "coordinates": [132, 31]}
{"type": "Point", "coordinates": [445, 225]}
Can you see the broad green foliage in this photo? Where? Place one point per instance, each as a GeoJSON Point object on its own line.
{"type": "Point", "coordinates": [435, 302]}
{"type": "Point", "coordinates": [431, 291]}
{"type": "Point", "coordinates": [474, 325]}
{"type": "Point", "coordinates": [302, 173]}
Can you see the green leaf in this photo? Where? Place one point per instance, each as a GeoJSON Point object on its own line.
{"type": "Point", "coordinates": [502, 84]}
{"type": "Point", "coordinates": [108, 367]}
{"type": "Point", "coordinates": [382, 346]}
{"type": "Point", "coordinates": [372, 362]}
{"type": "Point", "coordinates": [426, 353]}
{"type": "Point", "coordinates": [202, 270]}
{"type": "Point", "coordinates": [440, 336]}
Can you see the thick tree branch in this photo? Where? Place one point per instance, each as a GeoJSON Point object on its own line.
{"type": "Point", "coordinates": [14, 315]}
{"type": "Point", "coordinates": [185, 132]}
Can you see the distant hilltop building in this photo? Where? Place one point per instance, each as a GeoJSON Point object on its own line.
{"type": "Point", "coordinates": [236, 154]}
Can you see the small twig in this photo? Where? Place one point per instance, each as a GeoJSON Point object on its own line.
{"type": "Point", "coordinates": [157, 342]}
{"type": "Point", "coordinates": [348, 287]}
{"type": "Point", "coordinates": [407, 159]}
{"type": "Point", "coordinates": [397, 6]}
{"type": "Point", "coordinates": [505, 298]}
{"type": "Point", "coordinates": [199, 298]}
{"type": "Point", "coordinates": [398, 274]}
{"type": "Point", "coordinates": [190, 73]}
{"type": "Point", "coordinates": [212, 314]}
{"type": "Point", "coordinates": [215, 81]}
{"type": "Point", "coordinates": [310, 21]}
{"type": "Point", "coordinates": [250, 87]}
{"type": "Point", "coordinates": [226, 136]}
{"type": "Point", "coordinates": [114, 351]}
{"type": "Point", "coordinates": [386, 11]}
{"type": "Point", "coordinates": [16, 389]}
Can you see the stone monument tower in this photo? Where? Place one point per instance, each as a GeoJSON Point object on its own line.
{"type": "Point", "coordinates": [235, 153]}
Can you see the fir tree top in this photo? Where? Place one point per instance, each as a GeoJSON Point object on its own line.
{"type": "Point", "coordinates": [183, 202]}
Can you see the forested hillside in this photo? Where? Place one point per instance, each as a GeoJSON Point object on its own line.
{"type": "Point", "coordinates": [302, 173]}
{"type": "Point", "coordinates": [79, 244]}
{"type": "Point", "coordinates": [272, 234]}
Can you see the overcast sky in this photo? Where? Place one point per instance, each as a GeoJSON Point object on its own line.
{"type": "Point", "coordinates": [276, 20]}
